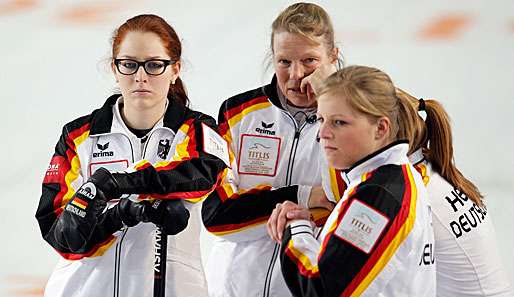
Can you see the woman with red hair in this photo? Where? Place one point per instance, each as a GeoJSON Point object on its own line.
{"type": "Point", "coordinates": [129, 174]}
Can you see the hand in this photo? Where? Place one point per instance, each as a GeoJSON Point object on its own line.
{"type": "Point", "coordinates": [130, 212]}
{"type": "Point", "coordinates": [318, 198]}
{"type": "Point", "coordinates": [78, 220]}
{"type": "Point", "coordinates": [281, 216]}
{"type": "Point", "coordinates": [171, 215]}
{"type": "Point", "coordinates": [104, 180]}
{"type": "Point", "coordinates": [312, 83]}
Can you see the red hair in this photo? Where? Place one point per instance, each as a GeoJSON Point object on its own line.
{"type": "Point", "coordinates": [171, 42]}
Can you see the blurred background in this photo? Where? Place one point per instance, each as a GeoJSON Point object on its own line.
{"type": "Point", "coordinates": [55, 68]}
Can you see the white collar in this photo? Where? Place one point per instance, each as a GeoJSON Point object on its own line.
{"type": "Point", "coordinates": [394, 153]}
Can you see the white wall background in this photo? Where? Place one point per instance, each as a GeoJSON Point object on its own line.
{"type": "Point", "coordinates": [54, 69]}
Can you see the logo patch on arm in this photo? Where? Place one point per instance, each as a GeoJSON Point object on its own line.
{"type": "Point", "coordinates": [361, 226]}
{"type": "Point", "coordinates": [214, 144]}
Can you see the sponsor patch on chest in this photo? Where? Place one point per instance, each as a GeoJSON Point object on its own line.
{"type": "Point", "coordinates": [361, 226]}
{"type": "Point", "coordinates": [258, 155]}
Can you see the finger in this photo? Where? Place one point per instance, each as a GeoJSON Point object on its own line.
{"type": "Point", "coordinates": [329, 205]}
{"type": "Point", "coordinates": [303, 84]}
{"type": "Point", "coordinates": [281, 222]}
{"type": "Point", "coordinates": [298, 214]}
{"type": "Point", "coordinates": [273, 221]}
{"type": "Point", "coordinates": [270, 224]}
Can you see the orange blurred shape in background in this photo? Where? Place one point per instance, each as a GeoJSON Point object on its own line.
{"type": "Point", "coordinates": [14, 6]}
{"type": "Point", "coordinates": [446, 27]}
{"type": "Point", "coordinates": [90, 13]}
{"type": "Point", "coordinates": [25, 285]}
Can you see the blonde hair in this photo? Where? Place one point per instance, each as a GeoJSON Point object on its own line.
{"type": "Point", "coordinates": [306, 19]}
{"type": "Point", "coordinates": [434, 137]}
{"type": "Point", "coordinates": [371, 92]}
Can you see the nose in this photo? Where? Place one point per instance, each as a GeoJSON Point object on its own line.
{"type": "Point", "coordinates": [324, 131]}
{"type": "Point", "coordinates": [296, 71]}
{"type": "Point", "coordinates": [140, 75]}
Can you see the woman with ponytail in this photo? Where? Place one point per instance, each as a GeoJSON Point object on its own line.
{"type": "Point", "coordinates": [127, 177]}
{"type": "Point", "coordinates": [468, 262]}
{"type": "Point", "coordinates": [378, 240]}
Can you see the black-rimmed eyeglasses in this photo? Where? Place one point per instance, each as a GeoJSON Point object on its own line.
{"type": "Point", "coordinates": [151, 67]}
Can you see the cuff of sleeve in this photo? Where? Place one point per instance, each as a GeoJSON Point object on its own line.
{"type": "Point", "coordinates": [304, 193]}
{"type": "Point", "coordinates": [301, 227]}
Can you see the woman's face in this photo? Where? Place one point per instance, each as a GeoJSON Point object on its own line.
{"type": "Point", "coordinates": [141, 90]}
{"type": "Point", "coordinates": [345, 134]}
{"type": "Point", "coordinates": [295, 57]}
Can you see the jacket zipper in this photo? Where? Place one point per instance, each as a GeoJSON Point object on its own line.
{"type": "Point", "coordinates": [289, 177]}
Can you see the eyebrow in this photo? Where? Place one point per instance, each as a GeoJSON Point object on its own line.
{"type": "Point", "coordinates": [149, 58]}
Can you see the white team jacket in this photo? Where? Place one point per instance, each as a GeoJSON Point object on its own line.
{"type": "Point", "coordinates": [378, 240]}
{"type": "Point", "coordinates": [122, 264]}
{"type": "Point", "coordinates": [273, 160]}
{"type": "Point", "coordinates": [468, 262]}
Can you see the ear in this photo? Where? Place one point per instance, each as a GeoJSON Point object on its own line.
{"type": "Point", "coordinates": [383, 128]}
{"type": "Point", "coordinates": [334, 55]}
{"type": "Point", "coordinates": [176, 70]}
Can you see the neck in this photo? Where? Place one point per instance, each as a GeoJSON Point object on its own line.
{"type": "Point", "coordinates": [138, 117]}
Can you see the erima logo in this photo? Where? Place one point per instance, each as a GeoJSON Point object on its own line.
{"type": "Point", "coordinates": [265, 128]}
{"type": "Point", "coordinates": [88, 190]}
{"type": "Point", "coordinates": [102, 148]}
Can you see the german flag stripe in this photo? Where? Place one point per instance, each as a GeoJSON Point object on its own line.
{"type": "Point", "coordinates": [306, 268]}
{"type": "Point", "coordinates": [233, 228]}
{"type": "Point", "coordinates": [228, 194]}
{"type": "Point", "coordinates": [235, 114]}
{"type": "Point", "coordinates": [79, 203]}
{"type": "Point", "coordinates": [422, 169]}
{"type": "Point", "coordinates": [96, 251]}
{"type": "Point", "coordinates": [191, 196]}
{"type": "Point", "coordinates": [336, 183]}
{"type": "Point", "coordinates": [74, 139]}
{"type": "Point", "coordinates": [398, 231]}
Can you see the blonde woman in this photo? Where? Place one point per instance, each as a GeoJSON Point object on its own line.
{"type": "Point", "coordinates": [378, 240]}
{"type": "Point", "coordinates": [272, 132]}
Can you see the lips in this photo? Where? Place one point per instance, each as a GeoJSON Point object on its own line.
{"type": "Point", "coordinates": [141, 91]}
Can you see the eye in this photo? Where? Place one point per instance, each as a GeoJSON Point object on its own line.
{"type": "Point", "coordinates": [129, 64]}
{"type": "Point", "coordinates": [309, 61]}
{"type": "Point", "coordinates": [284, 62]}
{"type": "Point", "coordinates": [320, 119]}
{"type": "Point", "coordinates": [154, 65]}
{"type": "Point", "coordinates": [339, 123]}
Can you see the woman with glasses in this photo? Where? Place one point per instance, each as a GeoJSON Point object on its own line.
{"type": "Point", "coordinates": [129, 174]}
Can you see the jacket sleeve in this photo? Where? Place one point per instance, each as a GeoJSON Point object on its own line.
{"type": "Point", "coordinates": [193, 173]}
{"type": "Point", "coordinates": [62, 178]}
{"type": "Point", "coordinates": [369, 227]}
{"type": "Point", "coordinates": [239, 214]}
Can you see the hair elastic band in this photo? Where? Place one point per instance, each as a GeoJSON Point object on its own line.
{"type": "Point", "coordinates": [421, 106]}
